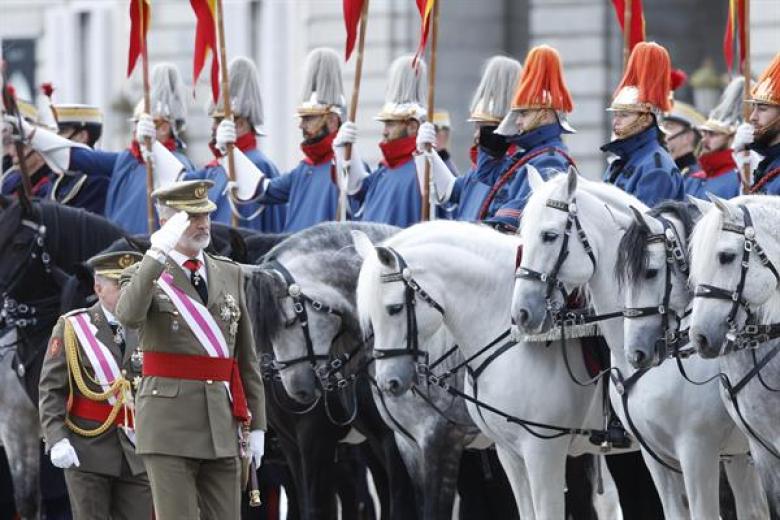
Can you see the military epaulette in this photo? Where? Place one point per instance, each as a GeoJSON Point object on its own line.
{"type": "Point", "coordinates": [223, 258]}
{"type": "Point", "coordinates": [74, 312]}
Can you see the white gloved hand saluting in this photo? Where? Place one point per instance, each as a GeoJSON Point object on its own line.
{"type": "Point", "coordinates": [144, 128]}
{"type": "Point", "coordinates": [426, 136]}
{"type": "Point", "coordinates": [166, 238]}
{"type": "Point", "coordinates": [257, 445]}
{"type": "Point", "coordinates": [226, 134]}
{"type": "Point", "coordinates": [743, 137]}
{"type": "Point", "coordinates": [347, 134]}
{"type": "Point", "coordinates": [63, 455]}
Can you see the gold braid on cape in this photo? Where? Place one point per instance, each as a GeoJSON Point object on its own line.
{"type": "Point", "coordinates": [120, 388]}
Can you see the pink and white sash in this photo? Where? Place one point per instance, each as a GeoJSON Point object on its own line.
{"type": "Point", "coordinates": [102, 360]}
{"type": "Point", "coordinates": [198, 319]}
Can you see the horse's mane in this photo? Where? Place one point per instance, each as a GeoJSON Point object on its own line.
{"type": "Point", "coordinates": [442, 236]}
{"type": "Point", "coordinates": [327, 248]}
{"type": "Point", "coordinates": [74, 234]}
{"type": "Point", "coordinates": [632, 253]}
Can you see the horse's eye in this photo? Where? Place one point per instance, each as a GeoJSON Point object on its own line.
{"type": "Point", "coordinates": [549, 236]}
{"type": "Point", "coordinates": [726, 258]}
{"type": "Point", "coordinates": [651, 273]}
{"type": "Point", "coordinates": [392, 310]}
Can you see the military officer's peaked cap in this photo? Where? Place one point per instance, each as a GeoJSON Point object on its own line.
{"type": "Point", "coordinates": [111, 265]}
{"type": "Point", "coordinates": [79, 115]}
{"type": "Point", "coordinates": [189, 196]}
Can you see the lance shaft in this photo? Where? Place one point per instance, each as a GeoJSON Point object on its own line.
{"type": "Point", "coordinates": [227, 106]}
{"type": "Point", "coordinates": [426, 203]}
{"type": "Point", "coordinates": [352, 116]}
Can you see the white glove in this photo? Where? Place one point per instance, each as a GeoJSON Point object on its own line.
{"type": "Point", "coordinates": [426, 136]}
{"type": "Point", "coordinates": [166, 238]}
{"type": "Point", "coordinates": [63, 455]}
{"type": "Point", "coordinates": [442, 179]}
{"type": "Point", "coordinates": [226, 134]}
{"type": "Point", "coordinates": [347, 134]}
{"type": "Point", "coordinates": [349, 178]}
{"type": "Point", "coordinates": [257, 445]}
{"type": "Point", "coordinates": [145, 128]}
{"type": "Point", "coordinates": [752, 158]}
{"type": "Point", "coordinates": [54, 148]}
{"type": "Point", "coordinates": [743, 137]}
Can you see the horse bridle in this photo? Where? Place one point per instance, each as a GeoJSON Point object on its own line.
{"type": "Point", "coordinates": [550, 279]}
{"type": "Point", "coordinates": [20, 314]}
{"type": "Point", "coordinates": [675, 255]}
{"type": "Point", "coordinates": [412, 291]}
{"type": "Point", "coordinates": [736, 297]}
{"type": "Point", "coordinates": [300, 300]}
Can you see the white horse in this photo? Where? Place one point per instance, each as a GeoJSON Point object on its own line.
{"type": "Point", "coordinates": [722, 239]}
{"type": "Point", "coordinates": [463, 274]}
{"type": "Point", "coordinates": [570, 230]}
{"type": "Point", "coordinates": [653, 268]}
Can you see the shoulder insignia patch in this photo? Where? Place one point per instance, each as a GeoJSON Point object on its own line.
{"type": "Point", "coordinates": [74, 312]}
{"type": "Point", "coordinates": [55, 347]}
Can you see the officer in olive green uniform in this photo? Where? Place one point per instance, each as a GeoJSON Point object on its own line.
{"type": "Point", "coordinates": [86, 402]}
{"type": "Point", "coordinates": [201, 378]}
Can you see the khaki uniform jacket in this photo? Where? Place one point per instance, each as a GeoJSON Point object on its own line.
{"type": "Point", "coordinates": [180, 417]}
{"type": "Point", "coordinates": [101, 454]}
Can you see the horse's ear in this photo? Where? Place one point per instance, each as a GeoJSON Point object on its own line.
{"type": "Point", "coordinates": [363, 244]}
{"type": "Point", "coordinates": [621, 220]}
{"type": "Point", "coordinates": [571, 181]}
{"type": "Point", "coordinates": [702, 205]}
{"type": "Point", "coordinates": [639, 218]}
{"type": "Point", "coordinates": [535, 179]}
{"type": "Point", "coordinates": [724, 206]}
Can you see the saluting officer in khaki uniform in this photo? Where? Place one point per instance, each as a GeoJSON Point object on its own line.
{"type": "Point", "coordinates": [86, 402]}
{"type": "Point", "coordinates": [199, 362]}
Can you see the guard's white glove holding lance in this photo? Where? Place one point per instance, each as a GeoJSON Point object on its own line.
{"type": "Point", "coordinates": [442, 178]}
{"type": "Point", "coordinates": [744, 136]}
{"type": "Point", "coordinates": [166, 238]}
{"type": "Point", "coordinates": [144, 128]}
{"type": "Point", "coordinates": [257, 445]}
{"type": "Point", "coordinates": [54, 149]}
{"type": "Point", "coordinates": [426, 137]}
{"type": "Point", "coordinates": [63, 455]}
{"type": "Point", "coordinates": [226, 134]}
{"type": "Point", "coordinates": [347, 135]}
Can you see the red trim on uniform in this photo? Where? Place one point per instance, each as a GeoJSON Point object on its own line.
{"type": "Point", "coordinates": [766, 178]}
{"type": "Point", "coordinates": [89, 410]}
{"type": "Point", "coordinates": [135, 148]}
{"type": "Point", "coordinates": [715, 164]}
{"type": "Point", "coordinates": [507, 176]}
{"type": "Point", "coordinates": [200, 368]}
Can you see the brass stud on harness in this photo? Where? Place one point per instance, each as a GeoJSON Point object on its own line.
{"type": "Point", "coordinates": [294, 290]}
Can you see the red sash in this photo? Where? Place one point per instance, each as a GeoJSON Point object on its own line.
{"type": "Point", "coordinates": [84, 408]}
{"type": "Point", "coordinates": [200, 368]}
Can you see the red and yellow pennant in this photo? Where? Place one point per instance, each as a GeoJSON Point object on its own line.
{"type": "Point", "coordinates": [735, 29]}
{"type": "Point", "coordinates": [140, 11]}
{"type": "Point", "coordinates": [205, 42]}
{"type": "Point", "coordinates": [352, 10]}
{"type": "Point", "coordinates": [426, 12]}
{"type": "Point", "coordinates": [637, 28]}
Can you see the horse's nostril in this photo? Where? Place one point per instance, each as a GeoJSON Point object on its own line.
{"type": "Point", "coordinates": [700, 340]}
{"type": "Point", "coordinates": [523, 317]}
{"type": "Point", "coordinates": [393, 385]}
{"type": "Point", "coordinates": [303, 396]}
{"type": "Point", "coordinates": [639, 356]}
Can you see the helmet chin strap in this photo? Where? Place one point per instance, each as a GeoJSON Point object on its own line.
{"type": "Point", "coordinates": [766, 133]}
{"type": "Point", "coordinates": [639, 125]}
